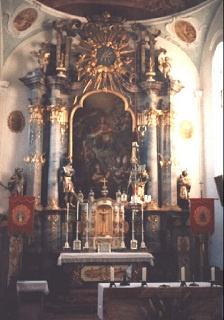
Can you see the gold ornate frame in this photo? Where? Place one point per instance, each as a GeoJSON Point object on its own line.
{"type": "Point", "coordinates": [16, 121]}
{"type": "Point", "coordinates": [80, 104]}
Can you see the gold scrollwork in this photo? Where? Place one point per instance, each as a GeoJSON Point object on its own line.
{"type": "Point", "coordinates": [53, 219]}
{"type": "Point", "coordinates": [154, 219]}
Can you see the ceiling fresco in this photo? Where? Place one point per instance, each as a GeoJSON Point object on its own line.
{"type": "Point", "coordinates": [131, 9]}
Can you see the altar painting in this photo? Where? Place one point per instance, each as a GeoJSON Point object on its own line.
{"type": "Point", "coordinates": [102, 149]}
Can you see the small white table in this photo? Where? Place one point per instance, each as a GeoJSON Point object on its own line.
{"type": "Point", "coordinates": [33, 286]}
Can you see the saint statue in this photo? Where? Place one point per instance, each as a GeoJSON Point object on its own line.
{"type": "Point", "coordinates": [16, 184]}
{"type": "Point", "coordinates": [68, 174]}
{"type": "Point", "coordinates": [183, 189]}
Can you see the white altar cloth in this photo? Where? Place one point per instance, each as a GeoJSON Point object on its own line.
{"type": "Point", "coordinates": [112, 257]}
{"type": "Point", "coordinates": [102, 286]}
{"type": "Point", "coordinates": [25, 286]}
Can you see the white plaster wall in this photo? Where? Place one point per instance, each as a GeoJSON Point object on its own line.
{"type": "Point", "coordinates": [186, 104]}
{"type": "Point", "coordinates": [215, 35]}
{"type": "Point", "coordinates": [14, 146]}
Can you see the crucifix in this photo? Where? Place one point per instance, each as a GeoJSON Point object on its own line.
{"type": "Point", "coordinates": [104, 191]}
{"type": "Point", "coordinates": [104, 214]}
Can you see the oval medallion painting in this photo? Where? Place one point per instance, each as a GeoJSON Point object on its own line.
{"type": "Point", "coordinates": [186, 129]}
{"type": "Point", "coordinates": [25, 19]}
{"type": "Point", "coordinates": [185, 31]}
{"type": "Point", "coordinates": [16, 121]}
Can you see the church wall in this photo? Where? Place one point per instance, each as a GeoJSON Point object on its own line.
{"type": "Point", "coordinates": [215, 35]}
{"type": "Point", "coordinates": [186, 105]}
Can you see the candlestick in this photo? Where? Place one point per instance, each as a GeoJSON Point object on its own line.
{"type": "Point", "coordinates": [112, 274]}
{"type": "Point", "coordinates": [77, 217]}
{"type": "Point", "coordinates": [213, 274]}
{"type": "Point", "coordinates": [87, 212]}
{"type": "Point", "coordinates": [183, 274]}
{"type": "Point", "coordinates": [67, 246]}
{"type": "Point", "coordinates": [87, 227]}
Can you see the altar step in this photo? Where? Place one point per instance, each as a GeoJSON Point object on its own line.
{"type": "Point", "coordinates": [78, 303]}
{"type": "Point", "coordinates": [31, 311]}
{"type": "Point", "coordinates": [78, 316]}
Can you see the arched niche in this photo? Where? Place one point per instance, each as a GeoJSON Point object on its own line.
{"type": "Point", "coordinates": [100, 137]}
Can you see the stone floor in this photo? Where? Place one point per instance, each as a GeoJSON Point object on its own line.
{"type": "Point", "coordinates": [32, 311]}
{"type": "Point", "coordinates": [33, 307]}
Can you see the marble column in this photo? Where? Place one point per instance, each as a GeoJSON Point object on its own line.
{"type": "Point", "coordinates": [58, 141]}
{"type": "Point", "coordinates": [35, 81]}
{"type": "Point", "coordinates": [152, 89]}
{"type": "Point", "coordinates": [35, 158]}
{"type": "Point", "coordinates": [152, 188]}
{"type": "Point", "coordinates": [168, 158]}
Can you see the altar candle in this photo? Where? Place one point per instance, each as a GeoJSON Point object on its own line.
{"type": "Point", "coordinates": [67, 211]}
{"type": "Point", "coordinates": [111, 273]}
{"type": "Point", "coordinates": [147, 198]}
{"type": "Point", "coordinates": [123, 197]}
{"type": "Point", "coordinates": [133, 215]}
{"type": "Point", "coordinates": [212, 273]}
{"type": "Point", "coordinates": [77, 211]}
{"type": "Point", "coordinates": [183, 274]}
{"type": "Point", "coordinates": [144, 274]}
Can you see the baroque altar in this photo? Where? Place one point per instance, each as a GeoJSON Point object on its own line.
{"type": "Point", "coordinates": [101, 151]}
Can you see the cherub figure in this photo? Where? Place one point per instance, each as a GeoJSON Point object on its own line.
{"type": "Point", "coordinates": [164, 66]}
{"type": "Point", "coordinates": [43, 56]}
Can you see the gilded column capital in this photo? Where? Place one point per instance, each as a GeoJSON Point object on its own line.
{"type": "Point", "coordinates": [36, 121]}
{"type": "Point", "coordinates": [58, 113]}
{"type": "Point", "coordinates": [36, 114]}
{"type": "Point", "coordinates": [152, 118]}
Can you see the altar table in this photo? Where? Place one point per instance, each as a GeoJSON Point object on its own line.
{"type": "Point", "coordinates": [89, 268]}
{"type": "Point", "coordinates": [166, 301]}
{"type": "Point", "coordinates": [112, 257]}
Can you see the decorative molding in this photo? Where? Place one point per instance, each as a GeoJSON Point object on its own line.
{"type": "Point", "coordinates": [218, 37]}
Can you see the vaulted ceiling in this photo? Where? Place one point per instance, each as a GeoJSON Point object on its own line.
{"type": "Point", "coordinates": [163, 15]}
{"type": "Point", "coordinates": [130, 9]}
